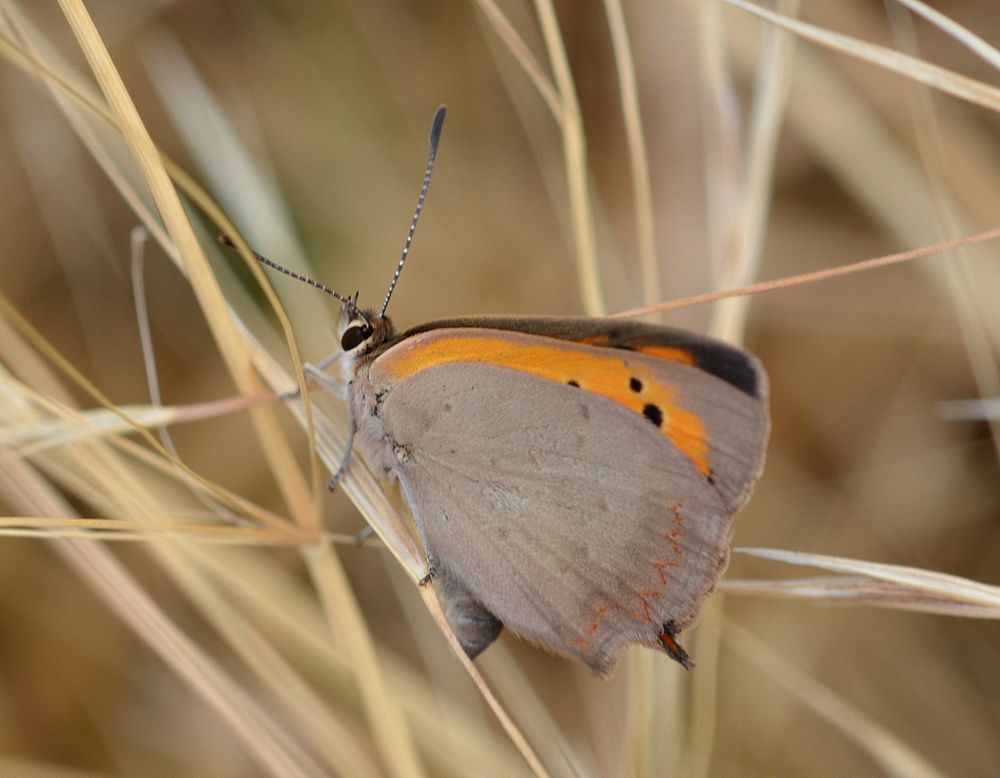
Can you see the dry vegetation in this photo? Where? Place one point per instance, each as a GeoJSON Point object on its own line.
{"type": "Point", "coordinates": [178, 611]}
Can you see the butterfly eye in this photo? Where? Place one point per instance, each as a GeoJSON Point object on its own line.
{"type": "Point", "coordinates": [355, 335]}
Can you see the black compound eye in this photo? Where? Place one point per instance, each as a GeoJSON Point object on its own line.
{"type": "Point", "coordinates": [355, 335]}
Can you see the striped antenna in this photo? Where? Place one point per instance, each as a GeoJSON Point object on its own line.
{"type": "Point", "coordinates": [435, 137]}
{"type": "Point", "coordinates": [225, 240]}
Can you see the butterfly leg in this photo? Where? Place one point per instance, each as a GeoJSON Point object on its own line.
{"type": "Point", "coordinates": [429, 576]}
{"type": "Point", "coordinates": [352, 429]}
{"type": "Point", "coordinates": [317, 373]}
{"type": "Point", "coordinates": [325, 363]}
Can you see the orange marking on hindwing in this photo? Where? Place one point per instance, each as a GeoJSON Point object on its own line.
{"type": "Point", "coordinates": [645, 597]}
{"type": "Point", "coordinates": [595, 624]}
{"type": "Point", "coordinates": [661, 570]}
{"type": "Point", "coordinates": [607, 373]}
{"type": "Point", "coordinates": [591, 630]}
{"type": "Point", "coordinates": [644, 612]}
{"type": "Point", "coordinates": [671, 537]}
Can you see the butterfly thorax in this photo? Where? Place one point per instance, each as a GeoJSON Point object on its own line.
{"type": "Point", "coordinates": [364, 335]}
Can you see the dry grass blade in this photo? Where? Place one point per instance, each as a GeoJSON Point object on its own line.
{"type": "Point", "coordinates": [281, 751]}
{"type": "Point", "coordinates": [976, 318]}
{"type": "Point", "coordinates": [519, 49]}
{"type": "Point", "coordinates": [575, 156]}
{"type": "Point", "coordinates": [196, 265]}
{"type": "Point", "coordinates": [264, 738]}
{"type": "Point", "coordinates": [745, 248]}
{"type": "Point", "coordinates": [642, 193]}
{"type": "Point", "coordinates": [111, 530]}
{"type": "Point", "coordinates": [969, 410]}
{"type": "Point", "coordinates": [512, 730]}
{"type": "Point", "coordinates": [44, 347]}
{"type": "Point", "coordinates": [973, 42]}
{"type": "Point", "coordinates": [385, 715]}
{"type": "Point", "coordinates": [703, 720]}
{"type": "Point", "coordinates": [856, 590]}
{"type": "Point", "coordinates": [299, 621]}
{"type": "Point", "coordinates": [101, 422]}
{"type": "Point", "coordinates": [396, 746]}
{"type": "Point", "coordinates": [811, 278]}
{"type": "Point", "coordinates": [371, 501]}
{"type": "Point", "coordinates": [761, 151]}
{"type": "Point", "coordinates": [912, 68]}
{"type": "Point", "coordinates": [383, 710]}
{"type": "Point", "coordinates": [724, 168]}
{"type": "Point", "coordinates": [891, 754]}
{"type": "Point", "coordinates": [910, 583]}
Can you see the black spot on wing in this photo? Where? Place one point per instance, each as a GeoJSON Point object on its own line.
{"type": "Point", "coordinates": [653, 413]}
{"type": "Point", "coordinates": [635, 384]}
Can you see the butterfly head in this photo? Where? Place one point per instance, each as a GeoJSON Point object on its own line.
{"type": "Point", "coordinates": [362, 331]}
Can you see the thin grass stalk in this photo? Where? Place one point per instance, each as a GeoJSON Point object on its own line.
{"type": "Point", "coordinates": [972, 318]}
{"type": "Point", "coordinates": [510, 727]}
{"type": "Point", "coordinates": [721, 125]}
{"type": "Point", "coordinates": [42, 345]}
{"type": "Point", "coordinates": [962, 87]}
{"type": "Point", "coordinates": [891, 754]}
{"type": "Point", "coordinates": [385, 718]}
{"type": "Point", "coordinates": [753, 208]}
{"type": "Point", "coordinates": [819, 275]}
{"type": "Point", "coordinates": [914, 578]}
{"type": "Point", "coordinates": [522, 55]}
{"type": "Point", "coordinates": [264, 739]}
{"type": "Point", "coordinates": [964, 36]}
{"type": "Point", "coordinates": [642, 190]}
{"type": "Point", "coordinates": [703, 709]}
{"type": "Point", "coordinates": [181, 232]}
{"type": "Point", "coordinates": [295, 491]}
{"type": "Point", "coordinates": [575, 158]}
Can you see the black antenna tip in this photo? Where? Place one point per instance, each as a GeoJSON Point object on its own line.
{"type": "Point", "coordinates": [436, 126]}
{"type": "Point", "coordinates": [435, 137]}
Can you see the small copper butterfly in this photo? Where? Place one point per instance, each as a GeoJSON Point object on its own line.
{"type": "Point", "coordinates": [572, 479]}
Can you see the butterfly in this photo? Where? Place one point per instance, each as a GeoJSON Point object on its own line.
{"type": "Point", "coordinates": [571, 479]}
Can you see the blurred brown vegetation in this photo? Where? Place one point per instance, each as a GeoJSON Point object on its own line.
{"type": "Point", "coordinates": [331, 103]}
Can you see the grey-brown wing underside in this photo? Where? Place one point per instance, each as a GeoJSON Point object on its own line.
{"type": "Point", "coordinates": [573, 520]}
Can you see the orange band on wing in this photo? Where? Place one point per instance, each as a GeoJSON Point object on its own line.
{"type": "Point", "coordinates": [671, 353]}
{"type": "Point", "coordinates": [668, 352]}
{"type": "Point", "coordinates": [608, 375]}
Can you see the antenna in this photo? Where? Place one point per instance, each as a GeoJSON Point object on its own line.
{"type": "Point", "coordinates": [435, 137]}
{"type": "Point", "coordinates": [225, 240]}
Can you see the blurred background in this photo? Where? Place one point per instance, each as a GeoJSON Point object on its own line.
{"type": "Point", "coordinates": [307, 122]}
